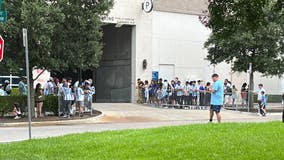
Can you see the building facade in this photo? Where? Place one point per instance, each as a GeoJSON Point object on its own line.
{"type": "Point", "coordinates": [168, 40]}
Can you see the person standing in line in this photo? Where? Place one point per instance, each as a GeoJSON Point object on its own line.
{"type": "Point", "coordinates": [153, 87]}
{"type": "Point", "coordinates": [2, 90]}
{"type": "Point", "coordinates": [217, 98]}
{"type": "Point", "coordinates": [67, 100]}
{"type": "Point", "coordinates": [146, 92]}
{"type": "Point", "coordinates": [88, 95]}
{"type": "Point", "coordinates": [259, 98]}
{"type": "Point", "coordinates": [80, 99]}
{"type": "Point", "coordinates": [179, 89]}
{"type": "Point", "coordinates": [61, 96]}
{"type": "Point", "coordinates": [7, 87]}
{"type": "Point", "coordinates": [22, 86]}
{"type": "Point", "coordinates": [201, 93]}
{"type": "Point", "coordinates": [39, 98]}
{"type": "Point", "coordinates": [172, 94]}
{"type": "Point", "coordinates": [244, 94]}
{"type": "Point", "coordinates": [207, 94]}
{"type": "Point", "coordinates": [194, 93]}
{"type": "Point", "coordinates": [234, 95]}
{"type": "Point", "coordinates": [159, 95]}
{"type": "Point", "coordinates": [186, 94]}
{"type": "Point", "coordinates": [140, 88]}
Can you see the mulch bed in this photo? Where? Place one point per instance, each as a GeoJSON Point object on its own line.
{"type": "Point", "coordinates": [49, 118]}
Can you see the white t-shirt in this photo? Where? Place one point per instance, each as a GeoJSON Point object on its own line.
{"type": "Point", "coordinates": [259, 95]}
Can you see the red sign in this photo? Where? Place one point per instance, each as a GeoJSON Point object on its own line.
{"type": "Point", "coordinates": [1, 48]}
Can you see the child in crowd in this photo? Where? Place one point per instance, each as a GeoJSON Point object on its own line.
{"type": "Point", "coordinates": [17, 111]}
{"type": "Point", "coordinates": [146, 91]}
{"type": "Point", "coordinates": [159, 95]}
{"type": "Point", "coordinates": [164, 94]}
{"type": "Point", "coordinates": [263, 104]}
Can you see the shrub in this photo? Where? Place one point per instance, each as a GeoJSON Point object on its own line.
{"type": "Point", "coordinates": [51, 104]}
{"type": "Point", "coordinates": [271, 98]}
{"type": "Point", "coordinates": [6, 104]}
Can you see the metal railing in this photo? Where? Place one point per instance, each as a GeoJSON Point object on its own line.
{"type": "Point", "coordinates": [11, 79]}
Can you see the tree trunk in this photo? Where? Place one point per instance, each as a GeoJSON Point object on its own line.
{"type": "Point", "coordinates": [80, 76]}
{"type": "Point", "coordinates": [251, 88]}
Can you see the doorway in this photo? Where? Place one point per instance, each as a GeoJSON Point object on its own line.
{"type": "Point", "coordinates": [113, 77]}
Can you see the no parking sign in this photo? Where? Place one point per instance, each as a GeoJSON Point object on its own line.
{"type": "Point", "coordinates": [1, 48]}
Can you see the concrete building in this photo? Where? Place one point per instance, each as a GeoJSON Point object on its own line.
{"type": "Point", "coordinates": [168, 40]}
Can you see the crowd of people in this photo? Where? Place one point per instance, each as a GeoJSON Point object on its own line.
{"type": "Point", "coordinates": [174, 93]}
{"type": "Point", "coordinates": [192, 93]}
{"type": "Point", "coordinates": [5, 88]}
{"type": "Point", "coordinates": [73, 97]}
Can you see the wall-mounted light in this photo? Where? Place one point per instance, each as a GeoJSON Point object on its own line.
{"type": "Point", "coordinates": [144, 64]}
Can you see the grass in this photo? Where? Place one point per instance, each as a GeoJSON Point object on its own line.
{"type": "Point", "coordinates": [230, 141]}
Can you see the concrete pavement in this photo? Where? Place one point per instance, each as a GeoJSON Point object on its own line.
{"type": "Point", "coordinates": [126, 116]}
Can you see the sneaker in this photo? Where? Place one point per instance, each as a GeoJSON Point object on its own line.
{"type": "Point", "coordinates": [17, 117]}
{"type": "Point", "coordinates": [65, 116]}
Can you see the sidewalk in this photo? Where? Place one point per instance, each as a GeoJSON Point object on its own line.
{"type": "Point", "coordinates": [125, 116]}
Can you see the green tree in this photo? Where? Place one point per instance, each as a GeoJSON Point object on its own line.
{"type": "Point", "coordinates": [78, 39]}
{"type": "Point", "coordinates": [247, 31]}
{"type": "Point", "coordinates": [61, 34]}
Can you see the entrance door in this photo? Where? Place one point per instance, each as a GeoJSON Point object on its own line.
{"type": "Point", "coordinates": [113, 77]}
{"type": "Point", "coordinates": [167, 71]}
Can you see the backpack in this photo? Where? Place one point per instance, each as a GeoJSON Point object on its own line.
{"type": "Point", "coordinates": [229, 90]}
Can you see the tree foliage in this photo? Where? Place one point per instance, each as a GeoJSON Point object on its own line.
{"type": "Point", "coordinates": [62, 34]}
{"type": "Point", "coordinates": [247, 31]}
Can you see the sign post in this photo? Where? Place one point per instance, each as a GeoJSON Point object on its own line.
{"type": "Point", "coordinates": [25, 43]}
{"type": "Point", "coordinates": [1, 48]}
{"type": "Point", "coordinates": [147, 6]}
{"type": "Point", "coordinates": [3, 16]}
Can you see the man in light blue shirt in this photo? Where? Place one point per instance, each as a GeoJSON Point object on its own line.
{"type": "Point", "coordinates": [217, 97]}
{"type": "Point", "coordinates": [22, 86]}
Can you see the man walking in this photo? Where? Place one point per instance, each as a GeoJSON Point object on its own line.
{"type": "Point", "coordinates": [217, 97]}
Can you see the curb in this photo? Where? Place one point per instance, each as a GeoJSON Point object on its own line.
{"type": "Point", "coordinates": [49, 123]}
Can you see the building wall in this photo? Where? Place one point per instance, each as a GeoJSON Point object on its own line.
{"type": "Point", "coordinates": [178, 39]}
{"type": "Point", "coordinates": [172, 35]}
{"type": "Point", "coordinates": [192, 7]}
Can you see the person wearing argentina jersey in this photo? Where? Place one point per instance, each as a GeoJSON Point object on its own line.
{"type": "Point", "coordinates": [67, 99]}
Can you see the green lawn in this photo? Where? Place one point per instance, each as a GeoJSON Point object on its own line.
{"type": "Point", "coordinates": [208, 141]}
